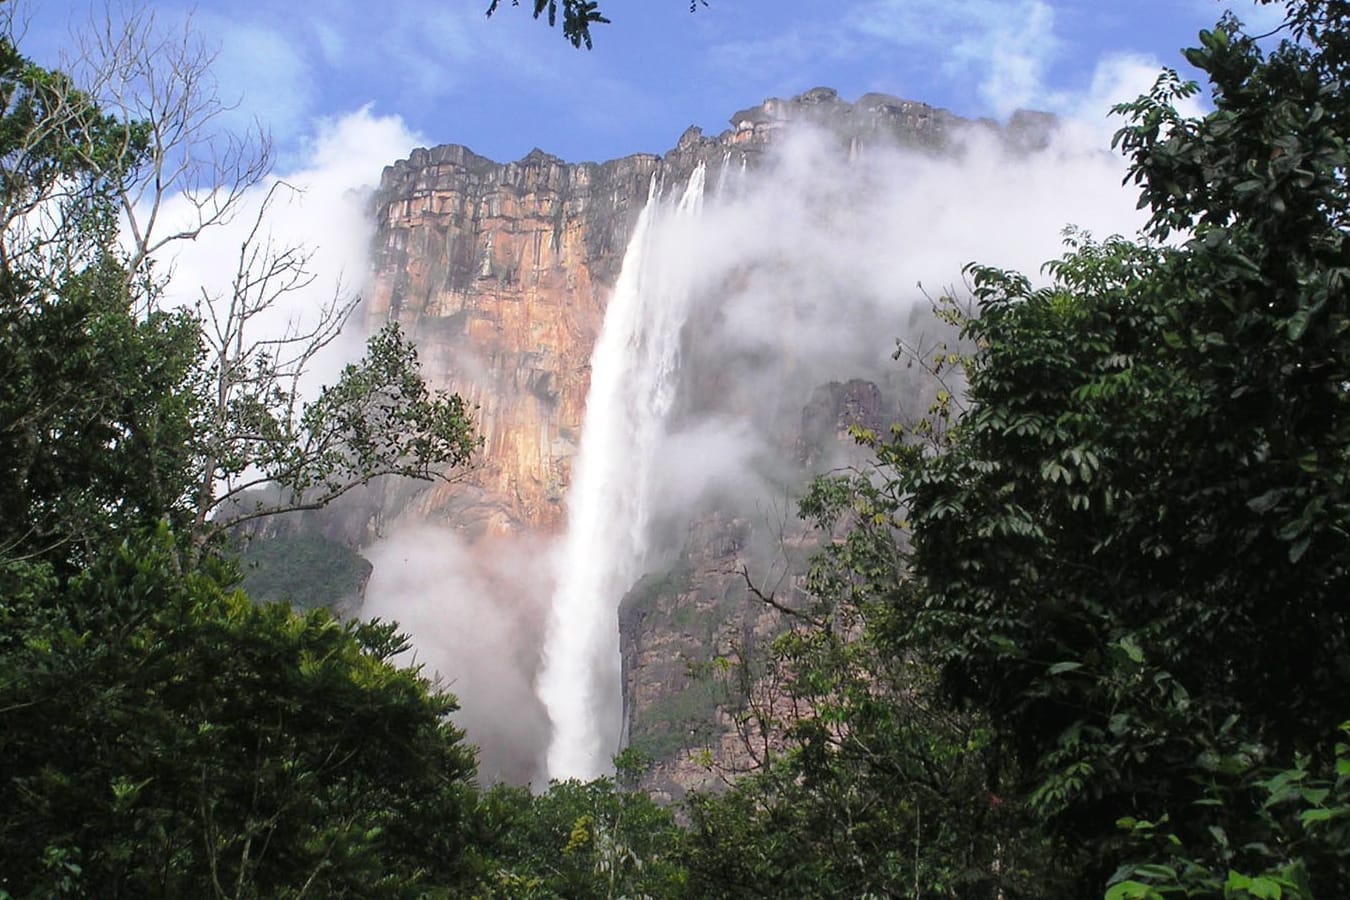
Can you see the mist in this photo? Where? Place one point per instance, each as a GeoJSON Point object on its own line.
{"type": "Point", "coordinates": [320, 207]}
{"type": "Point", "coordinates": [476, 616]}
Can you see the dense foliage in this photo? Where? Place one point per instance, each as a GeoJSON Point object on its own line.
{"type": "Point", "coordinates": [304, 570]}
{"type": "Point", "coordinates": [1133, 555]}
{"type": "Point", "coordinates": [162, 735]}
{"type": "Point", "coordinates": [94, 403]}
{"type": "Point", "coordinates": [166, 737]}
{"type": "Point", "coordinates": [581, 840]}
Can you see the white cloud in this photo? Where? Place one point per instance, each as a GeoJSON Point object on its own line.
{"type": "Point", "coordinates": [333, 44]}
{"type": "Point", "coordinates": [1116, 78]}
{"type": "Point", "coordinates": [1258, 19]}
{"type": "Point", "coordinates": [779, 56]}
{"type": "Point", "coordinates": [1006, 46]}
{"type": "Point", "coordinates": [1016, 52]}
{"type": "Point", "coordinates": [326, 213]}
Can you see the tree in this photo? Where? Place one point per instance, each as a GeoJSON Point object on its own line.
{"type": "Point", "coordinates": [166, 737]}
{"type": "Point", "coordinates": [95, 401]}
{"type": "Point", "coordinates": [1132, 555]}
{"type": "Point", "coordinates": [262, 449]}
{"type": "Point", "coordinates": [865, 783]}
{"type": "Point", "coordinates": [123, 409]}
{"type": "Point", "coordinates": [580, 840]}
{"type": "Point", "coordinates": [577, 16]}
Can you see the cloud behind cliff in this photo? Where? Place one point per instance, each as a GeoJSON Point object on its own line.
{"type": "Point", "coordinates": [809, 272]}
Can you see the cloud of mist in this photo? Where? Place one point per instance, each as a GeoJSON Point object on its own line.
{"type": "Point", "coordinates": [809, 270]}
{"type": "Point", "coordinates": [476, 618]}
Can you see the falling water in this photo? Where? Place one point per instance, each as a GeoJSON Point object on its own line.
{"type": "Point", "coordinates": [633, 373]}
{"type": "Point", "coordinates": [722, 174]}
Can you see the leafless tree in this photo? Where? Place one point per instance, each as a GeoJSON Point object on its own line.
{"type": "Point", "coordinates": [136, 108]}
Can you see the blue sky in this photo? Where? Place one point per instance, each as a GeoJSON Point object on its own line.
{"type": "Point", "coordinates": [505, 85]}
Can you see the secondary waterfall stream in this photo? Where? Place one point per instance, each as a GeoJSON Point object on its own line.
{"type": "Point", "coordinates": [634, 369]}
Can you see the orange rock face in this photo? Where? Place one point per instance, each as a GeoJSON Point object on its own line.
{"type": "Point", "coordinates": [501, 273]}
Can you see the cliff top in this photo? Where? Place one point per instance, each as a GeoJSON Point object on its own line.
{"type": "Point", "coordinates": [909, 122]}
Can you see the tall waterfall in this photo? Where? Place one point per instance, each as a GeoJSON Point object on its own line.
{"type": "Point", "coordinates": [634, 369]}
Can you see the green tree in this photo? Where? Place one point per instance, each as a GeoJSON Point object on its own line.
{"type": "Point", "coordinates": [865, 783]}
{"type": "Point", "coordinates": [93, 401]}
{"type": "Point", "coordinates": [166, 737]}
{"type": "Point", "coordinates": [577, 16]}
{"type": "Point", "coordinates": [1132, 555]}
{"type": "Point", "coordinates": [118, 410]}
{"type": "Point", "coordinates": [580, 840]}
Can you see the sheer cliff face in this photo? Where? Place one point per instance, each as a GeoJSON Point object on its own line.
{"type": "Point", "coordinates": [500, 273]}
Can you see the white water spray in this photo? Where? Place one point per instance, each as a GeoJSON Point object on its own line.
{"type": "Point", "coordinates": [634, 369]}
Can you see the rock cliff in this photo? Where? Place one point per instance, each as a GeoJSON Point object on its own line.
{"type": "Point", "coordinates": [501, 272]}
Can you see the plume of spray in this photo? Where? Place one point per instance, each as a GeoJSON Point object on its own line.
{"type": "Point", "coordinates": [634, 372]}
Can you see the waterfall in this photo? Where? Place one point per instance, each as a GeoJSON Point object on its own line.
{"type": "Point", "coordinates": [634, 368]}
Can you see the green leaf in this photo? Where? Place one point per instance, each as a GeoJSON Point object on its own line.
{"type": "Point", "coordinates": [1298, 324]}
{"type": "Point", "coordinates": [1132, 649]}
{"type": "Point", "coordinates": [1132, 890]}
{"type": "Point", "coordinates": [1316, 816]}
{"type": "Point", "coordinates": [1265, 889]}
{"type": "Point", "coordinates": [1298, 548]}
{"type": "Point", "coordinates": [1267, 501]}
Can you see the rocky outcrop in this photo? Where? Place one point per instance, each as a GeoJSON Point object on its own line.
{"type": "Point", "coordinates": [692, 633]}
{"type": "Point", "coordinates": [500, 273]}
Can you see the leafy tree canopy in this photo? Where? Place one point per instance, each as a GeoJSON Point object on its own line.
{"type": "Point", "coordinates": [577, 16]}
{"type": "Point", "coordinates": [164, 736]}
{"type": "Point", "coordinates": [1132, 553]}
